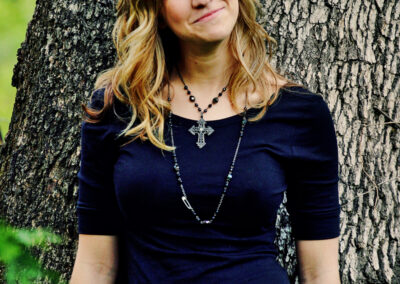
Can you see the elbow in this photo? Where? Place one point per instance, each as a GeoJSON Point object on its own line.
{"type": "Point", "coordinates": [326, 277]}
{"type": "Point", "coordinates": [99, 274]}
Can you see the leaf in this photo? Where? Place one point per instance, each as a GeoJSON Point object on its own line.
{"type": "Point", "coordinates": [40, 237]}
{"type": "Point", "coordinates": [9, 251]}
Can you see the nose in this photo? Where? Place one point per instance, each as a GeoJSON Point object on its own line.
{"type": "Point", "coordinates": [201, 3]}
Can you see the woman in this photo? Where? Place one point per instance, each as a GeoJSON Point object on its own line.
{"type": "Point", "coordinates": [193, 78]}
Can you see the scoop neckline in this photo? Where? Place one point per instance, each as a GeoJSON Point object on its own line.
{"type": "Point", "coordinates": [180, 120]}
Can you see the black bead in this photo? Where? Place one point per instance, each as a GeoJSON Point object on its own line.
{"type": "Point", "coordinates": [199, 109]}
{"type": "Point", "coordinates": [215, 100]}
{"type": "Point", "coordinates": [224, 89]}
{"type": "Point", "coordinates": [196, 104]}
{"type": "Point", "coordinates": [192, 98]}
{"type": "Point", "coordinates": [186, 87]}
{"type": "Point", "coordinates": [188, 92]}
{"type": "Point", "coordinates": [205, 110]}
{"type": "Point", "coordinates": [210, 105]}
{"type": "Point", "coordinates": [220, 94]}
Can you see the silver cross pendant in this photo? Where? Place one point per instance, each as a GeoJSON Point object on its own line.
{"type": "Point", "coordinates": [200, 130]}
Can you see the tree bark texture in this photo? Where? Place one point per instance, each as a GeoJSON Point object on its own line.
{"type": "Point", "coordinates": [347, 51]}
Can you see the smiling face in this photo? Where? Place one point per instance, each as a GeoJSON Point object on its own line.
{"type": "Point", "coordinates": [188, 19]}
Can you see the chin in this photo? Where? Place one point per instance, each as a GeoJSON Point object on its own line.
{"type": "Point", "coordinates": [214, 39]}
{"type": "Point", "coordinates": [216, 35]}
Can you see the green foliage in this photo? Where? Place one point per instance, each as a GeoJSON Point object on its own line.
{"type": "Point", "coordinates": [21, 266]}
{"type": "Point", "coordinates": [14, 18]}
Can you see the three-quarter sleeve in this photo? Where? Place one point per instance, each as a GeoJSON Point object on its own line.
{"type": "Point", "coordinates": [97, 209]}
{"type": "Point", "coordinates": [312, 193]}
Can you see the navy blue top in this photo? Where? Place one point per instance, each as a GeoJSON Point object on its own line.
{"type": "Point", "coordinates": [132, 191]}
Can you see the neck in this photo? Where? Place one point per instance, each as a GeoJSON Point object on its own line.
{"type": "Point", "coordinates": [205, 68]}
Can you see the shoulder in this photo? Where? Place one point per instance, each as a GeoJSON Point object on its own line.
{"type": "Point", "coordinates": [96, 99]}
{"type": "Point", "coordinates": [112, 122]}
{"type": "Point", "coordinates": [299, 95]}
{"type": "Point", "coordinates": [117, 111]}
{"type": "Point", "coordinates": [304, 114]}
{"type": "Point", "coordinates": [301, 103]}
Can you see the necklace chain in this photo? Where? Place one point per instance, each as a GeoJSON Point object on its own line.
{"type": "Point", "coordinates": [228, 177]}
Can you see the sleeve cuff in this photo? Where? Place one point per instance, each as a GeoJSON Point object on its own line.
{"type": "Point", "coordinates": [97, 223]}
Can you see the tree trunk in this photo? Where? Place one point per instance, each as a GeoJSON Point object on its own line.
{"type": "Point", "coordinates": [348, 51]}
{"type": "Point", "coordinates": [67, 44]}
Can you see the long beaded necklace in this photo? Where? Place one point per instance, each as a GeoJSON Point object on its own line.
{"type": "Point", "coordinates": [228, 178]}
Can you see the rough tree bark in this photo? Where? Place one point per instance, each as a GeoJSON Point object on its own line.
{"type": "Point", "coordinates": [348, 51]}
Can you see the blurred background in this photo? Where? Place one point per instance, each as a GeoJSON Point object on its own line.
{"type": "Point", "coordinates": [14, 18]}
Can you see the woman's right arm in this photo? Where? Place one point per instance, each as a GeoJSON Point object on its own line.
{"type": "Point", "coordinates": [96, 260]}
{"type": "Point", "coordinates": [100, 221]}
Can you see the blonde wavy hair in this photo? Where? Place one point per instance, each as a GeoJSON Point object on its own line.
{"type": "Point", "coordinates": [147, 53]}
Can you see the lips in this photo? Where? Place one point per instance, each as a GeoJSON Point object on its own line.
{"type": "Point", "coordinates": [208, 14]}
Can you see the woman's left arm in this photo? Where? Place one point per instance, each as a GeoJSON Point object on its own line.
{"type": "Point", "coordinates": [313, 192]}
{"type": "Point", "coordinates": [318, 261]}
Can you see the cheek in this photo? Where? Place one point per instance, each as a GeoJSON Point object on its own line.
{"type": "Point", "coordinates": [175, 18]}
{"type": "Point", "coordinates": [175, 13]}
{"type": "Point", "coordinates": [235, 7]}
